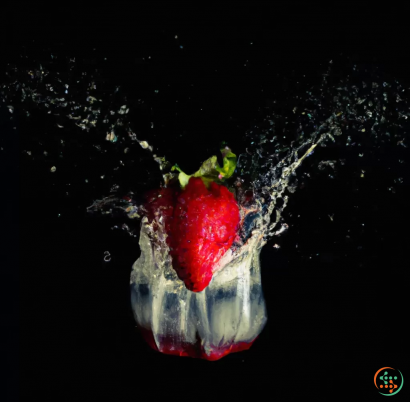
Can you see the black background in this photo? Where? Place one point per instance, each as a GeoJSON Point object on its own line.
{"type": "Point", "coordinates": [334, 320]}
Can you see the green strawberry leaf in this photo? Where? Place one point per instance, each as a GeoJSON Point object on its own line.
{"type": "Point", "coordinates": [210, 169]}
{"type": "Point", "coordinates": [229, 163]}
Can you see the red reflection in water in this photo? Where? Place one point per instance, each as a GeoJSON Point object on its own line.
{"type": "Point", "coordinates": [195, 350]}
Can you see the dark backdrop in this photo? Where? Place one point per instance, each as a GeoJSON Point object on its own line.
{"type": "Point", "coordinates": [334, 320]}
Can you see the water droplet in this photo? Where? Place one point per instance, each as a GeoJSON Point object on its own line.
{"type": "Point", "coordinates": [107, 256]}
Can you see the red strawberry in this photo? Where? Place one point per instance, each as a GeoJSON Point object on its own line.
{"type": "Point", "coordinates": [203, 228]}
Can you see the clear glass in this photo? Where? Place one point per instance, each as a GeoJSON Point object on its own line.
{"type": "Point", "coordinates": [227, 316]}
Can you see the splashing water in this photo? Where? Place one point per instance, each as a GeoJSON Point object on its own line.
{"type": "Point", "coordinates": [360, 110]}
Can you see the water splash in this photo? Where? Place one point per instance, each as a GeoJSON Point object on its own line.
{"type": "Point", "coordinates": [359, 109]}
{"type": "Point", "coordinates": [370, 112]}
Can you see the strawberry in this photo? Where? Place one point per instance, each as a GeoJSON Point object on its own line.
{"type": "Point", "coordinates": [203, 228]}
{"type": "Point", "coordinates": [201, 219]}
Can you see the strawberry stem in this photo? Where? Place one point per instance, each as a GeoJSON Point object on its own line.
{"type": "Point", "coordinates": [210, 169]}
